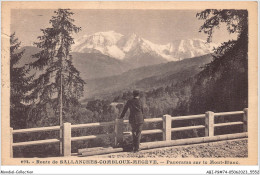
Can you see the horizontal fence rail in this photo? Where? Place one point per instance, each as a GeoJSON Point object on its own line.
{"type": "Point", "coordinates": [228, 124]}
{"type": "Point", "coordinates": [229, 113]}
{"type": "Point", "coordinates": [89, 137]}
{"type": "Point", "coordinates": [154, 131]}
{"type": "Point", "coordinates": [89, 125]}
{"type": "Point", "coordinates": [188, 117]}
{"type": "Point", "coordinates": [119, 133]}
{"type": "Point", "coordinates": [37, 142]}
{"type": "Point", "coordinates": [150, 120]}
{"type": "Point", "coordinates": [188, 128]}
{"type": "Point", "coordinates": [30, 130]}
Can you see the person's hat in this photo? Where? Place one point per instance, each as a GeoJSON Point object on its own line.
{"type": "Point", "coordinates": [135, 93]}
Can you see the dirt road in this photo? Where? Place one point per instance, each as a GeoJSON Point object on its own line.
{"type": "Point", "coordinates": [232, 148]}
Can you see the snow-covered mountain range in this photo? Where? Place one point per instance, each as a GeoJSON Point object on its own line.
{"type": "Point", "coordinates": [122, 47]}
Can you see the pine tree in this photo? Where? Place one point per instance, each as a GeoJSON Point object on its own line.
{"type": "Point", "coordinates": [59, 86]}
{"type": "Point", "coordinates": [19, 84]}
{"type": "Point", "coordinates": [223, 83]}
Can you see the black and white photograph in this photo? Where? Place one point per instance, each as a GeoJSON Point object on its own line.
{"type": "Point", "coordinates": [163, 86]}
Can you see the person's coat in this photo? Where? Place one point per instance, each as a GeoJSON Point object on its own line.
{"type": "Point", "coordinates": [136, 111]}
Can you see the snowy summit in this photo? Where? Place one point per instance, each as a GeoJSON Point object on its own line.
{"type": "Point", "coordinates": [122, 47]}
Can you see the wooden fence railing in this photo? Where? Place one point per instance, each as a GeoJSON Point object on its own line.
{"type": "Point", "coordinates": [118, 133]}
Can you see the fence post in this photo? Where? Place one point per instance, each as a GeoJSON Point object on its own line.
{"type": "Point", "coordinates": [11, 143]}
{"type": "Point", "coordinates": [209, 124]}
{"type": "Point", "coordinates": [245, 118]}
{"type": "Point", "coordinates": [66, 139]}
{"type": "Point", "coordinates": [119, 129]}
{"type": "Point", "coordinates": [167, 127]}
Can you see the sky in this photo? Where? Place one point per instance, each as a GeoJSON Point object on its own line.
{"type": "Point", "coordinates": [158, 26]}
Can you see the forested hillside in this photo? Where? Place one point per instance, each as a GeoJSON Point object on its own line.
{"type": "Point", "coordinates": [146, 78]}
{"type": "Point", "coordinates": [223, 84]}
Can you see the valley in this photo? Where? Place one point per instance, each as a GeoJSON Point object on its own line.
{"type": "Point", "coordinates": [145, 78]}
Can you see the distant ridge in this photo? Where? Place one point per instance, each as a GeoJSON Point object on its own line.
{"type": "Point", "coordinates": [146, 78]}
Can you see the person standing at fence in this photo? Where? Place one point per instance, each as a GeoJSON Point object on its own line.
{"type": "Point", "coordinates": [136, 118]}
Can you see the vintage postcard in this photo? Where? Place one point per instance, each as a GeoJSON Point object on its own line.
{"type": "Point", "coordinates": [129, 83]}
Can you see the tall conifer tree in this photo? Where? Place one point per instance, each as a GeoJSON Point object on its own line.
{"type": "Point", "coordinates": [59, 86]}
